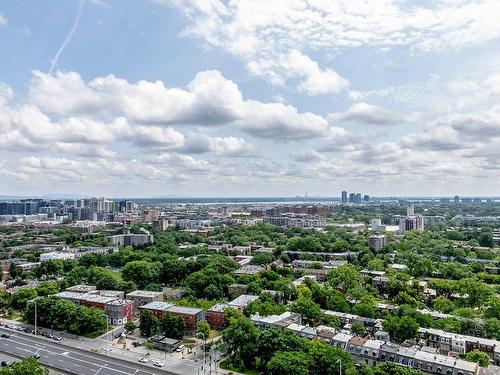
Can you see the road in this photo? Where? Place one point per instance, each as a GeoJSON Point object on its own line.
{"type": "Point", "coordinates": [70, 360]}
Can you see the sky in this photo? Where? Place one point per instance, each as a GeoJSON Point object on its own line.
{"type": "Point", "coordinates": [249, 97]}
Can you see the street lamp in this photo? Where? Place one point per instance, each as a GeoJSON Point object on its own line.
{"type": "Point", "coordinates": [204, 350]}
{"type": "Point", "coordinates": [107, 326]}
{"type": "Point", "coordinates": [36, 312]}
{"type": "Point", "coordinates": [339, 361]}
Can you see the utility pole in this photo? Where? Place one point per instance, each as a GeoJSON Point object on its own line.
{"type": "Point", "coordinates": [204, 351]}
{"type": "Point", "coordinates": [35, 318]}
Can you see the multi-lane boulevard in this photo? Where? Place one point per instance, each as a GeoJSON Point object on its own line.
{"type": "Point", "coordinates": [65, 358]}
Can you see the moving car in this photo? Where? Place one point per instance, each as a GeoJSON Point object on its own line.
{"type": "Point", "coordinates": [143, 360]}
{"type": "Point", "coordinates": [158, 364]}
{"type": "Point", "coordinates": [5, 335]}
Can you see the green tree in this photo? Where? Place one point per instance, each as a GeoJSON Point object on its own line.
{"type": "Point", "coordinates": [401, 329]}
{"type": "Point", "coordinates": [391, 368]}
{"type": "Point", "coordinates": [357, 329]}
{"type": "Point", "coordinates": [22, 296]}
{"type": "Point", "coordinates": [28, 366]}
{"type": "Point", "coordinates": [376, 265]}
{"type": "Point", "coordinates": [344, 277]}
{"type": "Point", "coordinates": [367, 307]}
{"type": "Point", "coordinates": [289, 363]}
{"type": "Point", "coordinates": [141, 273]}
{"type": "Point", "coordinates": [203, 329]}
{"type": "Point", "coordinates": [477, 292]}
{"type": "Point", "coordinates": [262, 258]}
{"type": "Point", "coordinates": [479, 357]}
{"type": "Point", "coordinates": [491, 328]}
{"type": "Point", "coordinates": [88, 320]}
{"type": "Point", "coordinates": [486, 240]}
{"type": "Point", "coordinates": [4, 303]}
{"type": "Point", "coordinates": [149, 324]}
{"type": "Point", "coordinates": [274, 340]}
{"type": "Point", "coordinates": [45, 288]}
{"type": "Point", "coordinates": [240, 337]}
{"type": "Point", "coordinates": [129, 327]}
{"type": "Point", "coordinates": [324, 359]}
{"type": "Point", "coordinates": [493, 309]}
{"type": "Point", "coordinates": [173, 326]}
{"type": "Point", "coordinates": [310, 311]}
{"type": "Point", "coordinates": [444, 305]}
{"type": "Point", "coordinates": [14, 270]}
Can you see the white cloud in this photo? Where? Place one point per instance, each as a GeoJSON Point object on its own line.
{"type": "Point", "coordinates": [208, 100]}
{"type": "Point", "coordinates": [308, 156]}
{"type": "Point", "coordinates": [264, 34]}
{"type": "Point", "coordinates": [198, 143]}
{"type": "Point", "coordinates": [3, 20]}
{"type": "Point", "coordinates": [6, 93]}
{"type": "Point", "coordinates": [365, 113]}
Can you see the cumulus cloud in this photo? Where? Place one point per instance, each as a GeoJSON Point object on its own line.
{"type": "Point", "coordinates": [313, 79]}
{"type": "Point", "coordinates": [198, 143]}
{"type": "Point", "coordinates": [6, 93]}
{"type": "Point", "coordinates": [3, 20]}
{"type": "Point", "coordinates": [365, 113]}
{"type": "Point", "coordinates": [75, 131]}
{"type": "Point", "coordinates": [264, 34]}
{"type": "Point", "coordinates": [208, 100]}
{"type": "Point", "coordinates": [457, 132]}
{"type": "Point", "coordinates": [308, 156]}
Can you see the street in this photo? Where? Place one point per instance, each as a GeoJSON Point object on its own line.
{"type": "Point", "coordinates": [73, 361]}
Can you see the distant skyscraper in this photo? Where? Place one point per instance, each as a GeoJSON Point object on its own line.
{"type": "Point", "coordinates": [352, 196]}
{"type": "Point", "coordinates": [344, 196]}
{"type": "Point", "coordinates": [366, 198]}
{"type": "Point", "coordinates": [357, 198]}
{"type": "Point", "coordinates": [456, 199]}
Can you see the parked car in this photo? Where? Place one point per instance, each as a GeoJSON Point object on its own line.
{"type": "Point", "coordinates": [36, 356]}
{"type": "Point", "coordinates": [5, 335]}
{"type": "Point", "coordinates": [143, 360]}
{"type": "Point", "coordinates": [158, 364]}
{"type": "Point", "coordinates": [180, 348]}
{"type": "Point", "coordinates": [5, 363]}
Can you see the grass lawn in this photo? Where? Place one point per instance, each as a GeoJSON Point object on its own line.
{"type": "Point", "coordinates": [213, 334]}
{"type": "Point", "coordinates": [238, 370]}
{"type": "Point", "coordinates": [16, 316]}
{"type": "Point", "coordinates": [117, 275]}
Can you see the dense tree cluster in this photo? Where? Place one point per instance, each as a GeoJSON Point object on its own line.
{"type": "Point", "coordinates": [63, 315]}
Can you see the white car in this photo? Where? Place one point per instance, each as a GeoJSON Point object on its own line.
{"type": "Point", "coordinates": [180, 348]}
{"type": "Point", "coordinates": [143, 360]}
{"type": "Point", "coordinates": [158, 364]}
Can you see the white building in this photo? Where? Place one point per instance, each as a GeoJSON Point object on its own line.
{"type": "Point", "coordinates": [56, 255]}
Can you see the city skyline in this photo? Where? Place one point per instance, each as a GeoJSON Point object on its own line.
{"type": "Point", "coordinates": [249, 98]}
